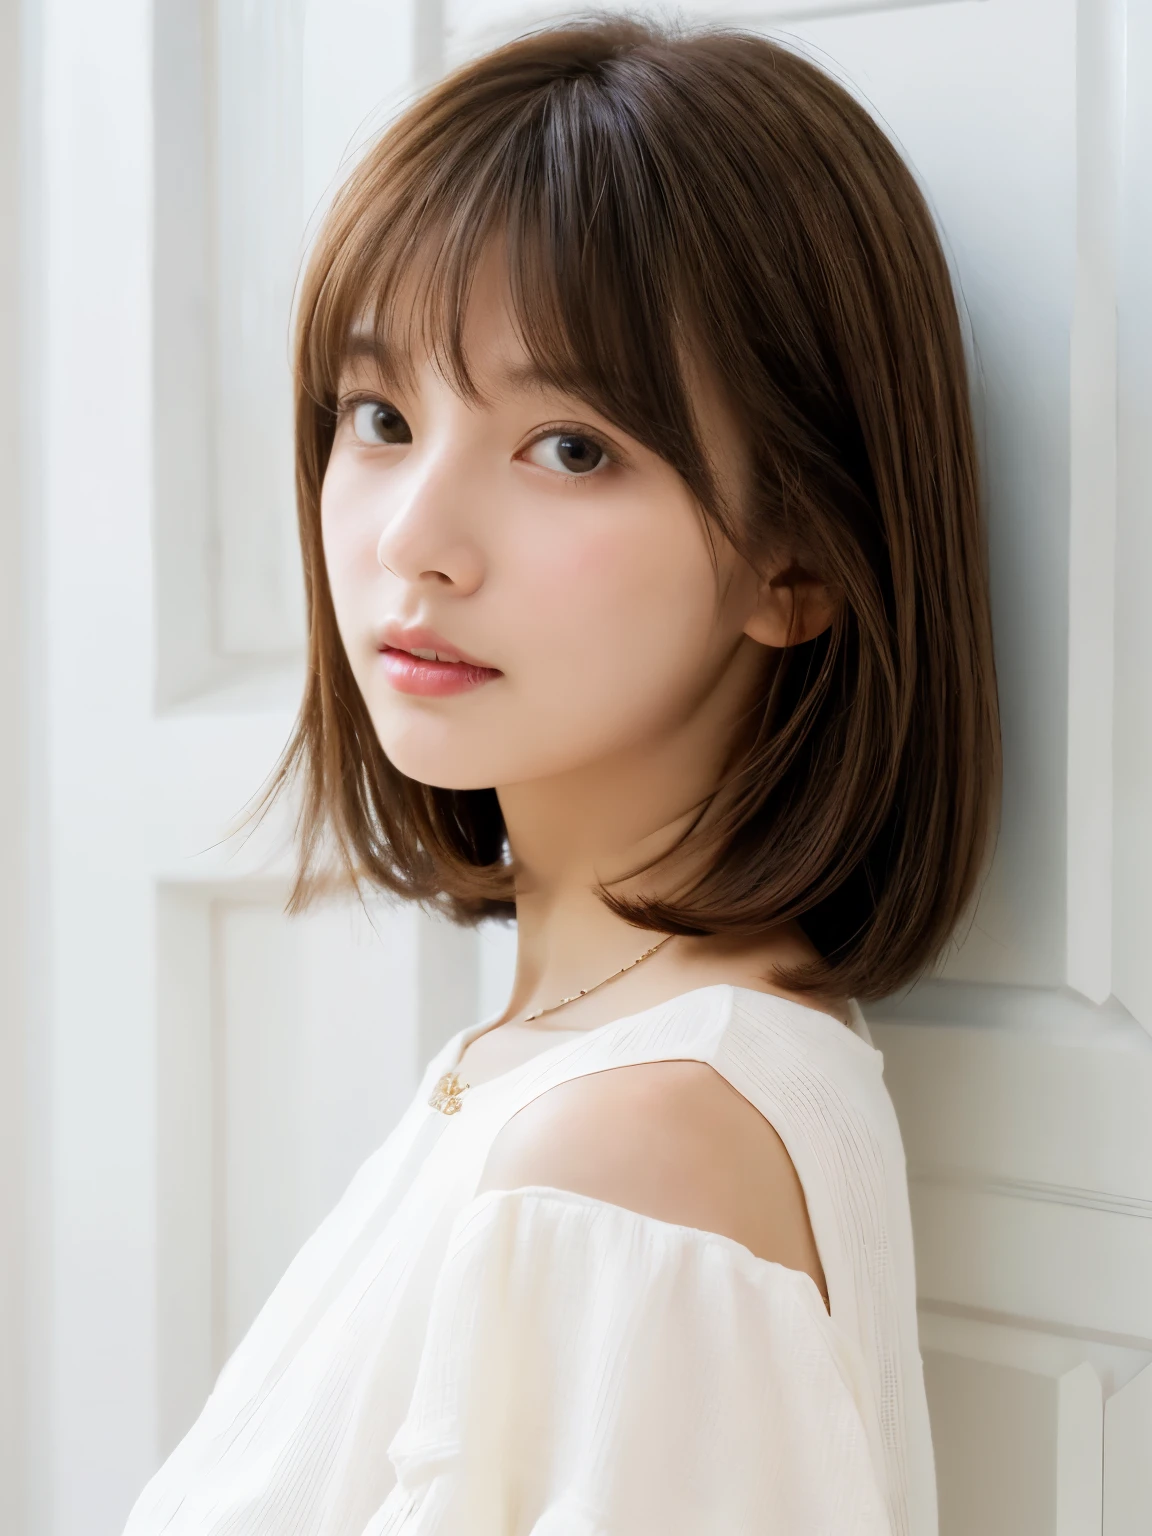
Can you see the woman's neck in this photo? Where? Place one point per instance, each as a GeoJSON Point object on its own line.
{"type": "Point", "coordinates": [569, 941]}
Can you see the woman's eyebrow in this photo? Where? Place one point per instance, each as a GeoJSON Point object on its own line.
{"type": "Point", "coordinates": [525, 376]}
{"type": "Point", "coordinates": [362, 344]}
{"type": "Point", "coordinates": [530, 377]}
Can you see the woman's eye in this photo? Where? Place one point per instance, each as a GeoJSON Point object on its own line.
{"type": "Point", "coordinates": [375, 422]}
{"type": "Point", "coordinates": [567, 452]}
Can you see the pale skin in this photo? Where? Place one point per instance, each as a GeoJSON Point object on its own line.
{"type": "Point", "coordinates": [540, 539]}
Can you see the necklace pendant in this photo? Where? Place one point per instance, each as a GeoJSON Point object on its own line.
{"type": "Point", "coordinates": [446, 1094]}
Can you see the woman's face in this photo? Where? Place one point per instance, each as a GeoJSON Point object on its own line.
{"type": "Point", "coordinates": [531, 536]}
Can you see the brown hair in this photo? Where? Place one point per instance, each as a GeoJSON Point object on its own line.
{"type": "Point", "coordinates": [661, 193]}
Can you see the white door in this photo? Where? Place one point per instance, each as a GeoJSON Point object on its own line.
{"type": "Point", "coordinates": [202, 1074]}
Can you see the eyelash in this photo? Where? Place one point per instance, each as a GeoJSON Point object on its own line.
{"type": "Point", "coordinates": [348, 403]}
{"type": "Point", "coordinates": [567, 428]}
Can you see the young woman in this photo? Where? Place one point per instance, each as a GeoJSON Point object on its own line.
{"type": "Point", "coordinates": [648, 606]}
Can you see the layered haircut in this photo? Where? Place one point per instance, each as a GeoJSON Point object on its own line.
{"type": "Point", "coordinates": [672, 201]}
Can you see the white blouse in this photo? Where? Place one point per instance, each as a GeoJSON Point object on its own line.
{"type": "Point", "coordinates": [534, 1362]}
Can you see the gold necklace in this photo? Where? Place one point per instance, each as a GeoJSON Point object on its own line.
{"type": "Point", "coordinates": [446, 1094]}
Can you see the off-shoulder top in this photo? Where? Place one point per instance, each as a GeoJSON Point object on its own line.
{"type": "Point", "coordinates": [534, 1362]}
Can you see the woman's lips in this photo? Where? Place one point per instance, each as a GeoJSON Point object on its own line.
{"type": "Point", "coordinates": [436, 679]}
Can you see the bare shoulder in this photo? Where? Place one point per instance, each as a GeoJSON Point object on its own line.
{"type": "Point", "coordinates": [668, 1139]}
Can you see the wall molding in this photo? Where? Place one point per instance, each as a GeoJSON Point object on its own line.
{"type": "Point", "coordinates": [930, 1308]}
{"type": "Point", "coordinates": [818, 10]}
{"type": "Point", "coordinates": [1047, 1012]}
{"type": "Point", "coordinates": [499, 22]}
{"type": "Point", "coordinates": [1031, 1189]}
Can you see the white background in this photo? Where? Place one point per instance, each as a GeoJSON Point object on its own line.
{"type": "Point", "coordinates": [187, 1078]}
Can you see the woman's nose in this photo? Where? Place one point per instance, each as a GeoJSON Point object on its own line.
{"type": "Point", "coordinates": [429, 536]}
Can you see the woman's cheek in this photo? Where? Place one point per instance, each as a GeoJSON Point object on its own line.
{"type": "Point", "coordinates": [597, 576]}
{"type": "Point", "coordinates": [350, 521]}
{"type": "Point", "coordinates": [341, 564]}
{"type": "Point", "coordinates": [604, 636]}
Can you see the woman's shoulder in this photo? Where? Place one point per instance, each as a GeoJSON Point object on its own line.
{"type": "Point", "coordinates": [669, 1139]}
{"type": "Point", "coordinates": [722, 1109]}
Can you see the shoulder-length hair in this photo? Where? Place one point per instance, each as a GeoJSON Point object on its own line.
{"type": "Point", "coordinates": [667, 196]}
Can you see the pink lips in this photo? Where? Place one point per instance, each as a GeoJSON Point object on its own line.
{"type": "Point", "coordinates": [434, 679]}
{"type": "Point", "coordinates": [457, 673]}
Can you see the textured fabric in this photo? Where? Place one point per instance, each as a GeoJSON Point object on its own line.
{"type": "Point", "coordinates": [538, 1363]}
{"type": "Point", "coordinates": [590, 1370]}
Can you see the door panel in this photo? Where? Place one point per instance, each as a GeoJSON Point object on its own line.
{"type": "Point", "coordinates": [1132, 922]}
{"type": "Point", "coordinates": [1127, 1463]}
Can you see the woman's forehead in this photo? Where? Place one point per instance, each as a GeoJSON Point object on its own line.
{"type": "Point", "coordinates": [498, 361]}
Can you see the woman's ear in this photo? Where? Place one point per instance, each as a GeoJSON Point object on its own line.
{"type": "Point", "coordinates": [792, 606]}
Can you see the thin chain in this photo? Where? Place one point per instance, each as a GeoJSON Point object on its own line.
{"type": "Point", "coordinates": [446, 1094]}
{"type": "Point", "coordinates": [584, 991]}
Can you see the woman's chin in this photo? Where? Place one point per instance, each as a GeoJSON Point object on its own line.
{"type": "Point", "coordinates": [447, 754]}
{"type": "Point", "coordinates": [437, 766]}
{"type": "Point", "coordinates": [439, 775]}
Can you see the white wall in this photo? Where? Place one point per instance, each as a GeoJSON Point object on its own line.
{"type": "Point", "coordinates": [14, 794]}
{"type": "Point", "coordinates": [191, 1077]}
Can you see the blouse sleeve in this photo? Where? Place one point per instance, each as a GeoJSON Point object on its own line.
{"type": "Point", "coordinates": [589, 1371]}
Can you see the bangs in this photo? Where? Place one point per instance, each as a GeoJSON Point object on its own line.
{"type": "Point", "coordinates": [562, 186]}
